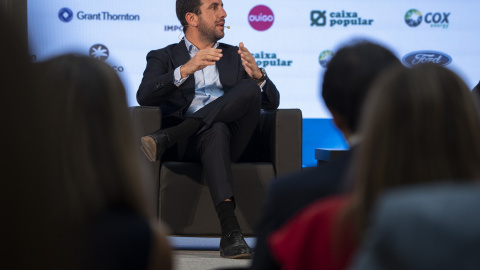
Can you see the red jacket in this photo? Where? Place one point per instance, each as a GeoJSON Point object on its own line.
{"type": "Point", "coordinates": [307, 241]}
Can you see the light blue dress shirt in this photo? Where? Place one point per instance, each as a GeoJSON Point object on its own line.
{"type": "Point", "coordinates": [207, 82]}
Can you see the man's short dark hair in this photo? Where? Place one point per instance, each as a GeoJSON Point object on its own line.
{"type": "Point", "coordinates": [185, 6]}
{"type": "Point", "coordinates": [349, 75]}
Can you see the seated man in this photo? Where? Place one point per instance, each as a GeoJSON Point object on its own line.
{"type": "Point", "coordinates": [210, 94]}
{"type": "Point", "coordinates": [345, 84]}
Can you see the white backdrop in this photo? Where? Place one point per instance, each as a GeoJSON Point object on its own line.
{"type": "Point", "coordinates": [292, 33]}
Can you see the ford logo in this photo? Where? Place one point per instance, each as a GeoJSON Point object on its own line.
{"type": "Point", "coordinates": [423, 57]}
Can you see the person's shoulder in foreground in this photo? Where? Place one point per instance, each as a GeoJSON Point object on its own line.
{"type": "Point", "coordinates": [313, 231]}
{"type": "Point", "coordinates": [434, 226]}
{"type": "Point", "coordinates": [289, 194]}
{"type": "Point", "coordinates": [298, 189]}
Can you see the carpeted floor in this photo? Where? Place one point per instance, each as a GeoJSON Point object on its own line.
{"type": "Point", "coordinates": [201, 243]}
{"type": "Point", "coordinates": [205, 260]}
{"type": "Point", "coordinates": [201, 253]}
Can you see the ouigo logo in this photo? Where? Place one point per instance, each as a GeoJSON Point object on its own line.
{"type": "Point", "coordinates": [65, 14]}
{"type": "Point", "coordinates": [261, 18]}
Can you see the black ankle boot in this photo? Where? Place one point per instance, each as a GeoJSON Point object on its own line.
{"type": "Point", "coordinates": [233, 246]}
{"type": "Point", "coordinates": [154, 145]}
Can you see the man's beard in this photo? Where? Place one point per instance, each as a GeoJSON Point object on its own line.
{"type": "Point", "coordinates": [210, 34]}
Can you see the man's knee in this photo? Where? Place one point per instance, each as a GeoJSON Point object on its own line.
{"type": "Point", "coordinates": [219, 129]}
{"type": "Point", "coordinates": [249, 90]}
{"type": "Point", "coordinates": [218, 133]}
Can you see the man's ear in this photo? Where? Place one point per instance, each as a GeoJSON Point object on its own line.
{"type": "Point", "coordinates": [192, 19]}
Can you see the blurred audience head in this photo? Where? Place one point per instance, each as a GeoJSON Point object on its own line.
{"type": "Point", "coordinates": [94, 165]}
{"type": "Point", "coordinates": [419, 125]}
{"type": "Point", "coordinates": [88, 125]}
{"type": "Point", "coordinates": [476, 92]}
{"type": "Point", "coordinates": [28, 228]}
{"type": "Point", "coordinates": [347, 80]}
{"type": "Point", "coordinates": [426, 227]}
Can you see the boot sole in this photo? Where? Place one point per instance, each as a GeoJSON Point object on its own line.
{"type": "Point", "coordinates": [149, 148]}
{"type": "Point", "coordinates": [238, 256]}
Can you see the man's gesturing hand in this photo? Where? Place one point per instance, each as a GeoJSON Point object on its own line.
{"type": "Point", "coordinates": [203, 58]}
{"type": "Point", "coordinates": [248, 62]}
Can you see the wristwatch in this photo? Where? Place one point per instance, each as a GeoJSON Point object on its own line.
{"type": "Point", "coordinates": [263, 78]}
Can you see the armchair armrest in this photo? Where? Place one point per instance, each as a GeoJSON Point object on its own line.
{"type": "Point", "coordinates": [146, 120]}
{"type": "Point", "coordinates": [286, 140]}
{"type": "Point", "coordinates": [280, 132]}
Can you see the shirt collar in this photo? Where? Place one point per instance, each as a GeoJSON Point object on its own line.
{"type": "Point", "coordinates": [192, 49]}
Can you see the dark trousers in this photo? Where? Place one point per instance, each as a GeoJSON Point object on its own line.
{"type": "Point", "coordinates": [229, 124]}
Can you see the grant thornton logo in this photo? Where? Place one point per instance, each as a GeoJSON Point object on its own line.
{"type": "Point", "coordinates": [325, 58]}
{"type": "Point", "coordinates": [261, 18]}
{"type": "Point", "coordinates": [99, 51]}
{"type": "Point", "coordinates": [413, 18]}
{"type": "Point", "coordinates": [65, 14]}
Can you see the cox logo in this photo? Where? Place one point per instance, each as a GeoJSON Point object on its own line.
{"type": "Point", "coordinates": [423, 57]}
{"type": "Point", "coordinates": [261, 17]}
{"type": "Point", "coordinates": [413, 18]}
{"type": "Point", "coordinates": [325, 58]}
{"type": "Point", "coordinates": [65, 14]}
{"type": "Point", "coordinates": [99, 51]}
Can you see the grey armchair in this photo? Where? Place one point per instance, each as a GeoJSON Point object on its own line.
{"type": "Point", "coordinates": [183, 199]}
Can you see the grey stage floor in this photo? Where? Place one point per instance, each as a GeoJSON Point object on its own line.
{"type": "Point", "coordinates": [204, 260]}
{"type": "Point", "coordinates": [201, 253]}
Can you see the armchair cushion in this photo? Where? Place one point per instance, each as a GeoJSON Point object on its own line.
{"type": "Point", "coordinates": [183, 198]}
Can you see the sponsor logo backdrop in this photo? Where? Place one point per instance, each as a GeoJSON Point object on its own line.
{"type": "Point", "coordinates": [293, 40]}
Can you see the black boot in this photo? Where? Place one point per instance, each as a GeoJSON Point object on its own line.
{"type": "Point", "coordinates": [154, 145]}
{"type": "Point", "coordinates": [232, 244]}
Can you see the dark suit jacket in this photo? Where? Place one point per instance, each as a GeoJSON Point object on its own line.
{"type": "Point", "coordinates": [431, 227]}
{"type": "Point", "coordinates": [157, 87]}
{"type": "Point", "coordinates": [290, 194]}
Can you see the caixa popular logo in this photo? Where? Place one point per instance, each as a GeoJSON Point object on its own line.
{"type": "Point", "coordinates": [261, 18]}
{"type": "Point", "coordinates": [340, 18]}
{"type": "Point", "coordinates": [423, 57]}
{"type": "Point", "coordinates": [265, 59]}
{"type": "Point", "coordinates": [414, 18]}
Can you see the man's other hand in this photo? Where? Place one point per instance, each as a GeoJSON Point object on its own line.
{"type": "Point", "coordinates": [203, 58]}
{"type": "Point", "coordinates": [248, 62]}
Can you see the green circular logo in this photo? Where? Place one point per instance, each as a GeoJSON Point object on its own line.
{"type": "Point", "coordinates": [325, 58]}
{"type": "Point", "coordinates": [413, 18]}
